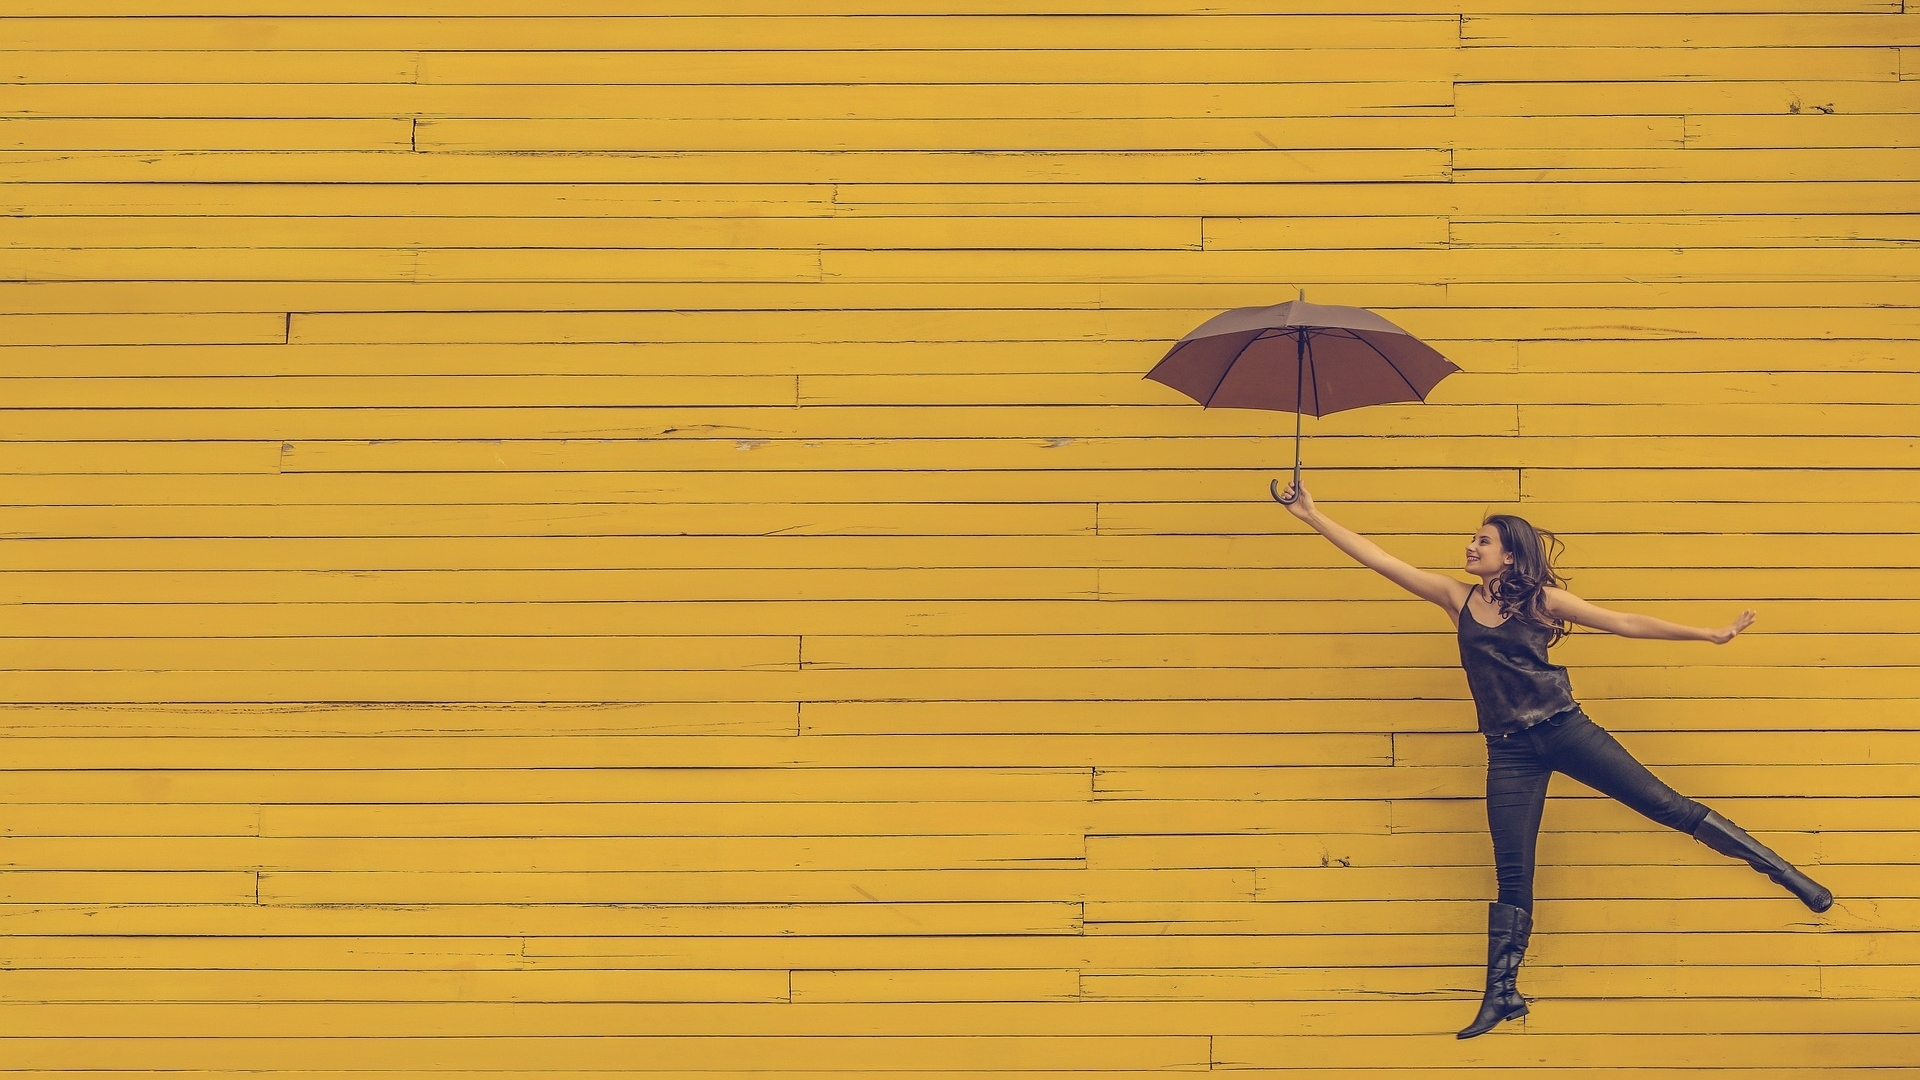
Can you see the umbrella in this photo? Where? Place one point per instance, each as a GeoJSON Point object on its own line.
{"type": "Point", "coordinates": [1300, 358]}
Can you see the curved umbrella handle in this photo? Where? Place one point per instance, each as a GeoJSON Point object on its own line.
{"type": "Point", "coordinates": [1283, 500]}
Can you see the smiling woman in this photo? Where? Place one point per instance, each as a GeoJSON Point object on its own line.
{"type": "Point", "coordinates": [1532, 724]}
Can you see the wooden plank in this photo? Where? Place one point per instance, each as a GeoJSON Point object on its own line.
{"type": "Point", "coordinates": [1875, 59]}
{"type": "Point", "coordinates": [1468, 782]}
{"type": "Point", "coordinates": [606, 358]}
{"type": "Point", "coordinates": [1041, 66]}
{"type": "Point", "coordinates": [1687, 31]}
{"type": "Point", "coordinates": [1619, 714]}
{"type": "Point", "coordinates": [1692, 484]}
{"type": "Point", "coordinates": [1763, 815]}
{"type": "Point", "coordinates": [506, 30]}
{"type": "Point", "coordinates": [1384, 613]}
{"type": "Point", "coordinates": [664, 785]}
{"type": "Point", "coordinates": [534, 486]}
{"type": "Point", "coordinates": [1464, 264]}
{"type": "Point", "coordinates": [650, 653]}
{"type": "Point", "coordinates": [191, 458]}
{"type": "Point", "coordinates": [1657, 748]}
{"type": "Point", "coordinates": [223, 868]}
{"type": "Point", "coordinates": [137, 66]}
{"type": "Point", "coordinates": [1706, 356]}
{"type": "Point", "coordinates": [1289, 984]}
{"type": "Point", "coordinates": [560, 457]}
{"type": "Point", "coordinates": [1646, 192]}
{"type": "Point", "coordinates": [1292, 233]}
{"type": "Point", "coordinates": [1744, 1051]}
{"type": "Point", "coordinates": [941, 101]}
{"type": "Point", "coordinates": [1437, 1014]}
{"type": "Point", "coordinates": [377, 956]}
{"type": "Point", "coordinates": [160, 329]}
{"type": "Point", "coordinates": [665, 1053]}
{"type": "Point", "coordinates": [219, 264]}
{"type": "Point", "coordinates": [1037, 684]}
{"type": "Point", "coordinates": [499, 234]}
{"type": "Point", "coordinates": [763, 8]}
{"type": "Point", "coordinates": [1762, 94]}
{"type": "Point", "coordinates": [1138, 583]}
{"type": "Point", "coordinates": [1448, 916]}
{"type": "Point", "coordinates": [208, 477]}
{"type": "Point", "coordinates": [1455, 944]}
{"type": "Point", "coordinates": [705, 751]}
{"type": "Point", "coordinates": [192, 197]}
{"type": "Point", "coordinates": [1018, 324]}
{"type": "Point", "coordinates": [1820, 129]}
{"type": "Point", "coordinates": [186, 135]}
{"type": "Point", "coordinates": [1035, 985]}
{"type": "Point", "coordinates": [400, 391]}
{"type": "Point", "coordinates": [812, 519]}
{"type": "Point", "coordinates": [547, 718]}
{"type": "Point", "coordinates": [26, 988]}
{"type": "Point", "coordinates": [1326, 167]}
{"type": "Point", "coordinates": [1201, 133]}
{"type": "Point", "coordinates": [21, 888]}
{"type": "Point", "coordinates": [131, 819]}
{"type": "Point", "coordinates": [1577, 866]}
{"type": "Point", "coordinates": [1532, 166]}
{"type": "Point", "coordinates": [765, 884]}
{"type": "Point", "coordinates": [1757, 230]}
{"type": "Point", "coordinates": [1730, 419]}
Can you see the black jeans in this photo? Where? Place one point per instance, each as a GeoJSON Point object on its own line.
{"type": "Point", "coordinates": [1518, 768]}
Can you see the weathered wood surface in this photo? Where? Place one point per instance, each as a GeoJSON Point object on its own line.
{"type": "Point", "coordinates": [553, 540]}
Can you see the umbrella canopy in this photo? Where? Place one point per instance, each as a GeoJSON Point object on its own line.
{"type": "Point", "coordinates": [1299, 357]}
{"type": "Point", "coordinates": [1306, 359]}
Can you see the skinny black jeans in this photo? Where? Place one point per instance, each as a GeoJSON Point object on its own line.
{"type": "Point", "coordinates": [1518, 768]}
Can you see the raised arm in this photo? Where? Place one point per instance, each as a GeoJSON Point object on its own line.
{"type": "Point", "coordinates": [1425, 584]}
{"type": "Point", "coordinates": [1562, 604]}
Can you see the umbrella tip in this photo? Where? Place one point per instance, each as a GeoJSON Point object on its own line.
{"type": "Point", "coordinates": [1302, 292]}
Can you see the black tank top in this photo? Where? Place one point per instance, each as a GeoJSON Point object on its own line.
{"type": "Point", "coordinates": [1514, 687]}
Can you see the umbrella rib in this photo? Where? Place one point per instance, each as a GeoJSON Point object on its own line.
{"type": "Point", "coordinates": [1228, 370]}
{"type": "Point", "coordinates": [1417, 395]}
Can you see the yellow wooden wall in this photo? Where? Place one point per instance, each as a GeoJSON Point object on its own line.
{"type": "Point", "coordinates": [628, 535]}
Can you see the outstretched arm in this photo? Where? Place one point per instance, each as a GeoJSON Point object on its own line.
{"type": "Point", "coordinates": [1562, 604]}
{"type": "Point", "coordinates": [1425, 584]}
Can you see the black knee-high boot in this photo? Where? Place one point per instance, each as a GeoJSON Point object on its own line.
{"type": "Point", "coordinates": [1508, 928]}
{"type": "Point", "coordinates": [1729, 839]}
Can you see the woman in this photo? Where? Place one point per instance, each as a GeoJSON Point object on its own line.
{"type": "Point", "coordinates": [1532, 724]}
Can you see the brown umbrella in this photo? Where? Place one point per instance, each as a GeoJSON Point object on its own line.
{"type": "Point", "coordinates": [1342, 358]}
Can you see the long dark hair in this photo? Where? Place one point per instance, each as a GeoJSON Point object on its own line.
{"type": "Point", "coordinates": [1520, 590]}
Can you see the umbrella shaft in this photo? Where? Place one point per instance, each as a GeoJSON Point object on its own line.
{"type": "Point", "coordinates": [1299, 382]}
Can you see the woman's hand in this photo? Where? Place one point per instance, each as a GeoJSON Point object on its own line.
{"type": "Point", "coordinates": [1296, 500]}
{"type": "Point", "coordinates": [1728, 633]}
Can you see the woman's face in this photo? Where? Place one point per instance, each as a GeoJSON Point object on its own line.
{"type": "Point", "coordinates": [1485, 554]}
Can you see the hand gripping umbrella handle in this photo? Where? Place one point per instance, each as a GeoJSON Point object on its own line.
{"type": "Point", "coordinates": [1283, 500]}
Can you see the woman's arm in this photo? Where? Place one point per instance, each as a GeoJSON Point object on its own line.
{"type": "Point", "coordinates": [1562, 604]}
{"type": "Point", "coordinates": [1425, 584]}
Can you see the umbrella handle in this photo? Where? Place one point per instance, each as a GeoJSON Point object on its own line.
{"type": "Point", "coordinates": [1274, 488]}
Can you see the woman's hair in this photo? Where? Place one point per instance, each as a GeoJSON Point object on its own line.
{"type": "Point", "coordinates": [1521, 589]}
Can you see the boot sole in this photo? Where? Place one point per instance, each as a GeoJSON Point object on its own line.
{"type": "Point", "coordinates": [1514, 1015]}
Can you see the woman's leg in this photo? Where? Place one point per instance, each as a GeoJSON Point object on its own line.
{"type": "Point", "coordinates": [1516, 794]}
{"type": "Point", "coordinates": [1516, 797]}
{"type": "Point", "coordinates": [1585, 751]}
